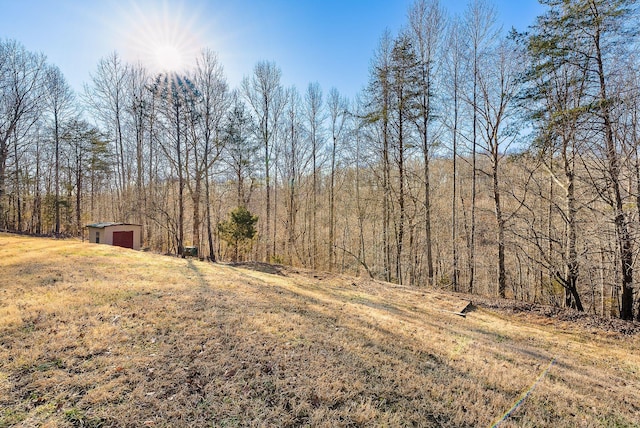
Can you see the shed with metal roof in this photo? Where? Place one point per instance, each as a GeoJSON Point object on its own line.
{"type": "Point", "coordinates": [119, 234]}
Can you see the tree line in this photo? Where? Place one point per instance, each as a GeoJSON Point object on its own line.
{"type": "Point", "coordinates": [474, 159]}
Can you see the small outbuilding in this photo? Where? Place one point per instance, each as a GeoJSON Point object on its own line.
{"type": "Point", "coordinates": [118, 234]}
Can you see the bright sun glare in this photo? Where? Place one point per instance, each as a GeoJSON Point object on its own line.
{"type": "Point", "coordinates": [160, 37]}
{"type": "Point", "coordinates": [168, 58]}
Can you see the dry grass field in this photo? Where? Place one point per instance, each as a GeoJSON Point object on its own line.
{"type": "Point", "coordinates": [98, 336]}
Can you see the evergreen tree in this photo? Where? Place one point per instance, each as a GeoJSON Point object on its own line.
{"type": "Point", "coordinates": [594, 29]}
{"type": "Point", "coordinates": [239, 228]}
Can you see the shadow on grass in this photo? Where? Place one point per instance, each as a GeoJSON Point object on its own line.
{"type": "Point", "coordinates": [260, 267]}
{"type": "Point", "coordinates": [202, 281]}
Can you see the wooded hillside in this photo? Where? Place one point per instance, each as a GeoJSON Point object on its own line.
{"type": "Point", "coordinates": [474, 160]}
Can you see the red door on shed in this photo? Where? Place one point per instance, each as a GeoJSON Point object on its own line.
{"type": "Point", "coordinates": [123, 239]}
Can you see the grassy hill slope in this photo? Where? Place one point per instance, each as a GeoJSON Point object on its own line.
{"type": "Point", "coordinates": [92, 335]}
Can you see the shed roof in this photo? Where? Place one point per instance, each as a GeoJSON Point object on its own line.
{"type": "Point", "coordinates": [102, 225]}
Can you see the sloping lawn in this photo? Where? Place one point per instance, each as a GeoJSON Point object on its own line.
{"type": "Point", "coordinates": [97, 336]}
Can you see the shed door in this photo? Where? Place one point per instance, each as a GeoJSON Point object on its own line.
{"type": "Point", "coordinates": [123, 239]}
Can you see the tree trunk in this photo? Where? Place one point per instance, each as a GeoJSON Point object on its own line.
{"type": "Point", "coordinates": [18, 225]}
{"type": "Point", "coordinates": [572, 267]}
{"type": "Point", "coordinates": [139, 171]}
{"type": "Point", "coordinates": [4, 153]}
{"type": "Point", "coordinates": [195, 197]}
{"type": "Point", "coordinates": [454, 197]}
{"type": "Point", "coordinates": [180, 243]}
{"type": "Point", "coordinates": [37, 203]}
{"type": "Point", "coordinates": [624, 242]}
{"type": "Point", "coordinates": [427, 183]}
{"type": "Point", "coordinates": [275, 210]}
{"type": "Point", "coordinates": [212, 254]}
{"type": "Point", "coordinates": [502, 276]}
{"type": "Point", "coordinates": [386, 216]}
{"type": "Point", "coordinates": [291, 215]}
{"type": "Point", "coordinates": [79, 193]}
{"type": "Point", "coordinates": [472, 233]}
{"type": "Point", "coordinates": [314, 209]}
{"type": "Point", "coordinates": [56, 136]}
{"type": "Point", "coordinates": [268, 196]}
{"type": "Point", "coordinates": [332, 207]}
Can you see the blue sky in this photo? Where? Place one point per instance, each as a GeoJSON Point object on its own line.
{"type": "Point", "coordinates": [328, 41]}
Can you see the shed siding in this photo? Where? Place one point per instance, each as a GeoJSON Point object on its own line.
{"type": "Point", "coordinates": [96, 236]}
{"type": "Point", "coordinates": [105, 235]}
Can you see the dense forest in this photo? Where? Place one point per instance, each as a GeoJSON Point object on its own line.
{"type": "Point", "coordinates": [474, 159]}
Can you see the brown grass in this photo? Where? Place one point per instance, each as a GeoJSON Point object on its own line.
{"type": "Point", "coordinates": [92, 335]}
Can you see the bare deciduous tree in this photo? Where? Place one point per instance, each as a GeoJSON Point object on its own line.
{"type": "Point", "coordinates": [59, 100]}
{"type": "Point", "coordinates": [338, 115]}
{"type": "Point", "coordinates": [314, 122]}
{"type": "Point", "coordinates": [21, 77]}
{"type": "Point", "coordinates": [264, 94]}
{"type": "Point", "coordinates": [480, 30]}
{"type": "Point", "coordinates": [211, 108]}
{"type": "Point", "coordinates": [426, 24]}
